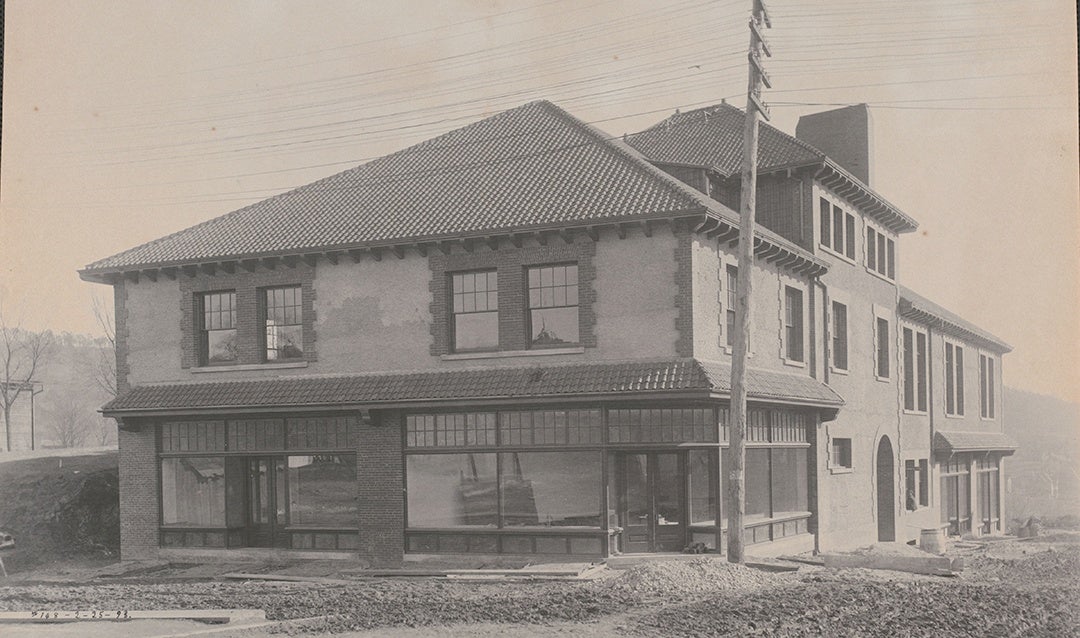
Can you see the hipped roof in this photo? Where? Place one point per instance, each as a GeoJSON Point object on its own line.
{"type": "Point", "coordinates": [534, 167]}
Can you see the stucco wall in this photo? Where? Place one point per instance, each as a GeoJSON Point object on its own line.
{"type": "Point", "coordinates": [635, 295]}
{"type": "Point", "coordinates": [872, 409]}
{"type": "Point", "coordinates": [153, 331]}
{"type": "Point", "coordinates": [373, 315]}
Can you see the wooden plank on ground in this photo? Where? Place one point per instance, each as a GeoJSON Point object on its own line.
{"type": "Point", "coordinates": [213, 616]}
{"type": "Point", "coordinates": [284, 578]}
{"type": "Point", "coordinates": [929, 564]}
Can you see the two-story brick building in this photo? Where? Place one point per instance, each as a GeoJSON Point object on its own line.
{"type": "Point", "coordinates": [513, 339]}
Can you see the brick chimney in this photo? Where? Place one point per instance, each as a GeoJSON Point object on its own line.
{"type": "Point", "coordinates": [845, 135]}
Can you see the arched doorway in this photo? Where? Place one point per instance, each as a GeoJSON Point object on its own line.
{"type": "Point", "coordinates": [886, 521]}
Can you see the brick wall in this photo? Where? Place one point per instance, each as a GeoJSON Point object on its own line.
{"type": "Point", "coordinates": [510, 262]}
{"type": "Point", "coordinates": [380, 478]}
{"type": "Point", "coordinates": [248, 308]}
{"type": "Point", "coordinates": [138, 494]}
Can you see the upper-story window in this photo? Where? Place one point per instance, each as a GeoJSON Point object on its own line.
{"type": "Point", "coordinates": [475, 324]}
{"type": "Point", "coordinates": [283, 323]}
{"type": "Point", "coordinates": [986, 386]}
{"type": "Point", "coordinates": [837, 229]}
{"type": "Point", "coordinates": [881, 336]}
{"type": "Point", "coordinates": [217, 334]}
{"type": "Point", "coordinates": [553, 305]}
{"type": "Point", "coordinates": [880, 253]}
{"type": "Point", "coordinates": [732, 273]}
{"type": "Point", "coordinates": [914, 370]}
{"type": "Point", "coordinates": [793, 324]}
{"type": "Point", "coordinates": [839, 336]}
{"type": "Point", "coordinates": [954, 379]}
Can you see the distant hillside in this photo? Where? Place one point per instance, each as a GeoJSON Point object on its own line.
{"type": "Point", "coordinates": [66, 410]}
{"type": "Point", "coordinates": [1044, 474]}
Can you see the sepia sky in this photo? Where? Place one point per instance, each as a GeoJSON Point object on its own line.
{"type": "Point", "coordinates": [125, 121]}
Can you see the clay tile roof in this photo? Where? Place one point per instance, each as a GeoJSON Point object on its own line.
{"type": "Point", "coordinates": [713, 137]}
{"type": "Point", "coordinates": [533, 166]}
{"type": "Point", "coordinates": [578, 380]}
{"type": "Point", "coordinates": [949, 441]}
{"type": "Point", "coordinates": [921, 309]}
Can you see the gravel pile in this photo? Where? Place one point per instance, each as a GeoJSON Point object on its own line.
{"type": "Point", "coordinates": [837, 608]}
{"type": "Point", "coordinates": [673, 579]}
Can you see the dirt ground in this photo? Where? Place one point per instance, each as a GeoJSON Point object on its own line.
{"type": "Point", "coordinates": [1009, 587]}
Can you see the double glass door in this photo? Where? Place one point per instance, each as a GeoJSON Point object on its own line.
{"type": "Point", "coordinates": [267, 501]}
{"type": "Point", "coordinates": [651, 501]}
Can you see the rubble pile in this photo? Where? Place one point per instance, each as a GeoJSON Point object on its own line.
{"type": "Point", "coordinates": [663, 580]}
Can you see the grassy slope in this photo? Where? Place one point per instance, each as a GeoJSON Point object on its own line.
{"type": "Point", "coordinates": [59, 507]}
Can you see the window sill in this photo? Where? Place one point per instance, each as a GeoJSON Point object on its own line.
{"type": "Point", "coordinates": [879, 275]}
{"type": "Point", "coordinates": [954, 416]}
{"type": "Point", "coordinates": [830, 251]}
{"type": "Point", "coordinates": [794, 364]}
{"type": "Point", "coordinates": [840, 371]}
{"type": "Point", "coordinates": [883, 379]}
{"type": "Point", "coordinates": [250, 366]}
{"type": "Point", "coordinates": [504, 354]}
{"type": "Point", "coordinates": [915, 412]}
{"type": "Point", "coordinates": [841, 470]}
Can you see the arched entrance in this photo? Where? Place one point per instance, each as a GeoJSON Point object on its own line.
{"type": "Point", "coordinates": [886, 522]}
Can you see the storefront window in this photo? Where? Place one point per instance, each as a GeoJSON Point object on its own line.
{"type": "Point", "coordinates": [452, 490]}
{"type": "Point", "coordinates": [789, 481]}
{"type": "Point", "coordinates": [550, 489]}
{"type": "Point", "coordinates": [193, 492]}
{"type": "Point", "coordinates": [702, 494]}
{"type": "Point", "coordinates": [322, 490]}
{"type": "Point", "coordinates": [757, 483]}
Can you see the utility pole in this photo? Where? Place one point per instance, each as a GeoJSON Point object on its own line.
{"type": "Point", "coordinates": [741, 334]}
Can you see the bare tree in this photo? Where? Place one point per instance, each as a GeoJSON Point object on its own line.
{"type": "Point", "coordinates": [105, 368]}
{"type": "Point", "coordinates": [22, 354]}
{"type": "Point", "coordinates": [71, 421]}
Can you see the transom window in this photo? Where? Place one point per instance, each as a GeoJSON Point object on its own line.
{"type": "Point", "coordinates": [284, 323]}
{"type": "Point", "coordinates": [475, 324]}
{"type": "Point", "coordinates": [217, 338]}
{"type": "Point", "coordinates": [954, 379]}
{"type": "Point", "coordinates": [553, 305]}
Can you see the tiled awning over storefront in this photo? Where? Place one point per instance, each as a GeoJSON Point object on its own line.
{"type": "Point", "coordinates": [675, 377]}
{"type": "Point", "coordinates": [949, 442]}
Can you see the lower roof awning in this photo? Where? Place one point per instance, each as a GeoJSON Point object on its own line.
{"type": "Point", "coordinates": [671, 378]}
{"type": "Point", "coordinates": [950, 442]}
